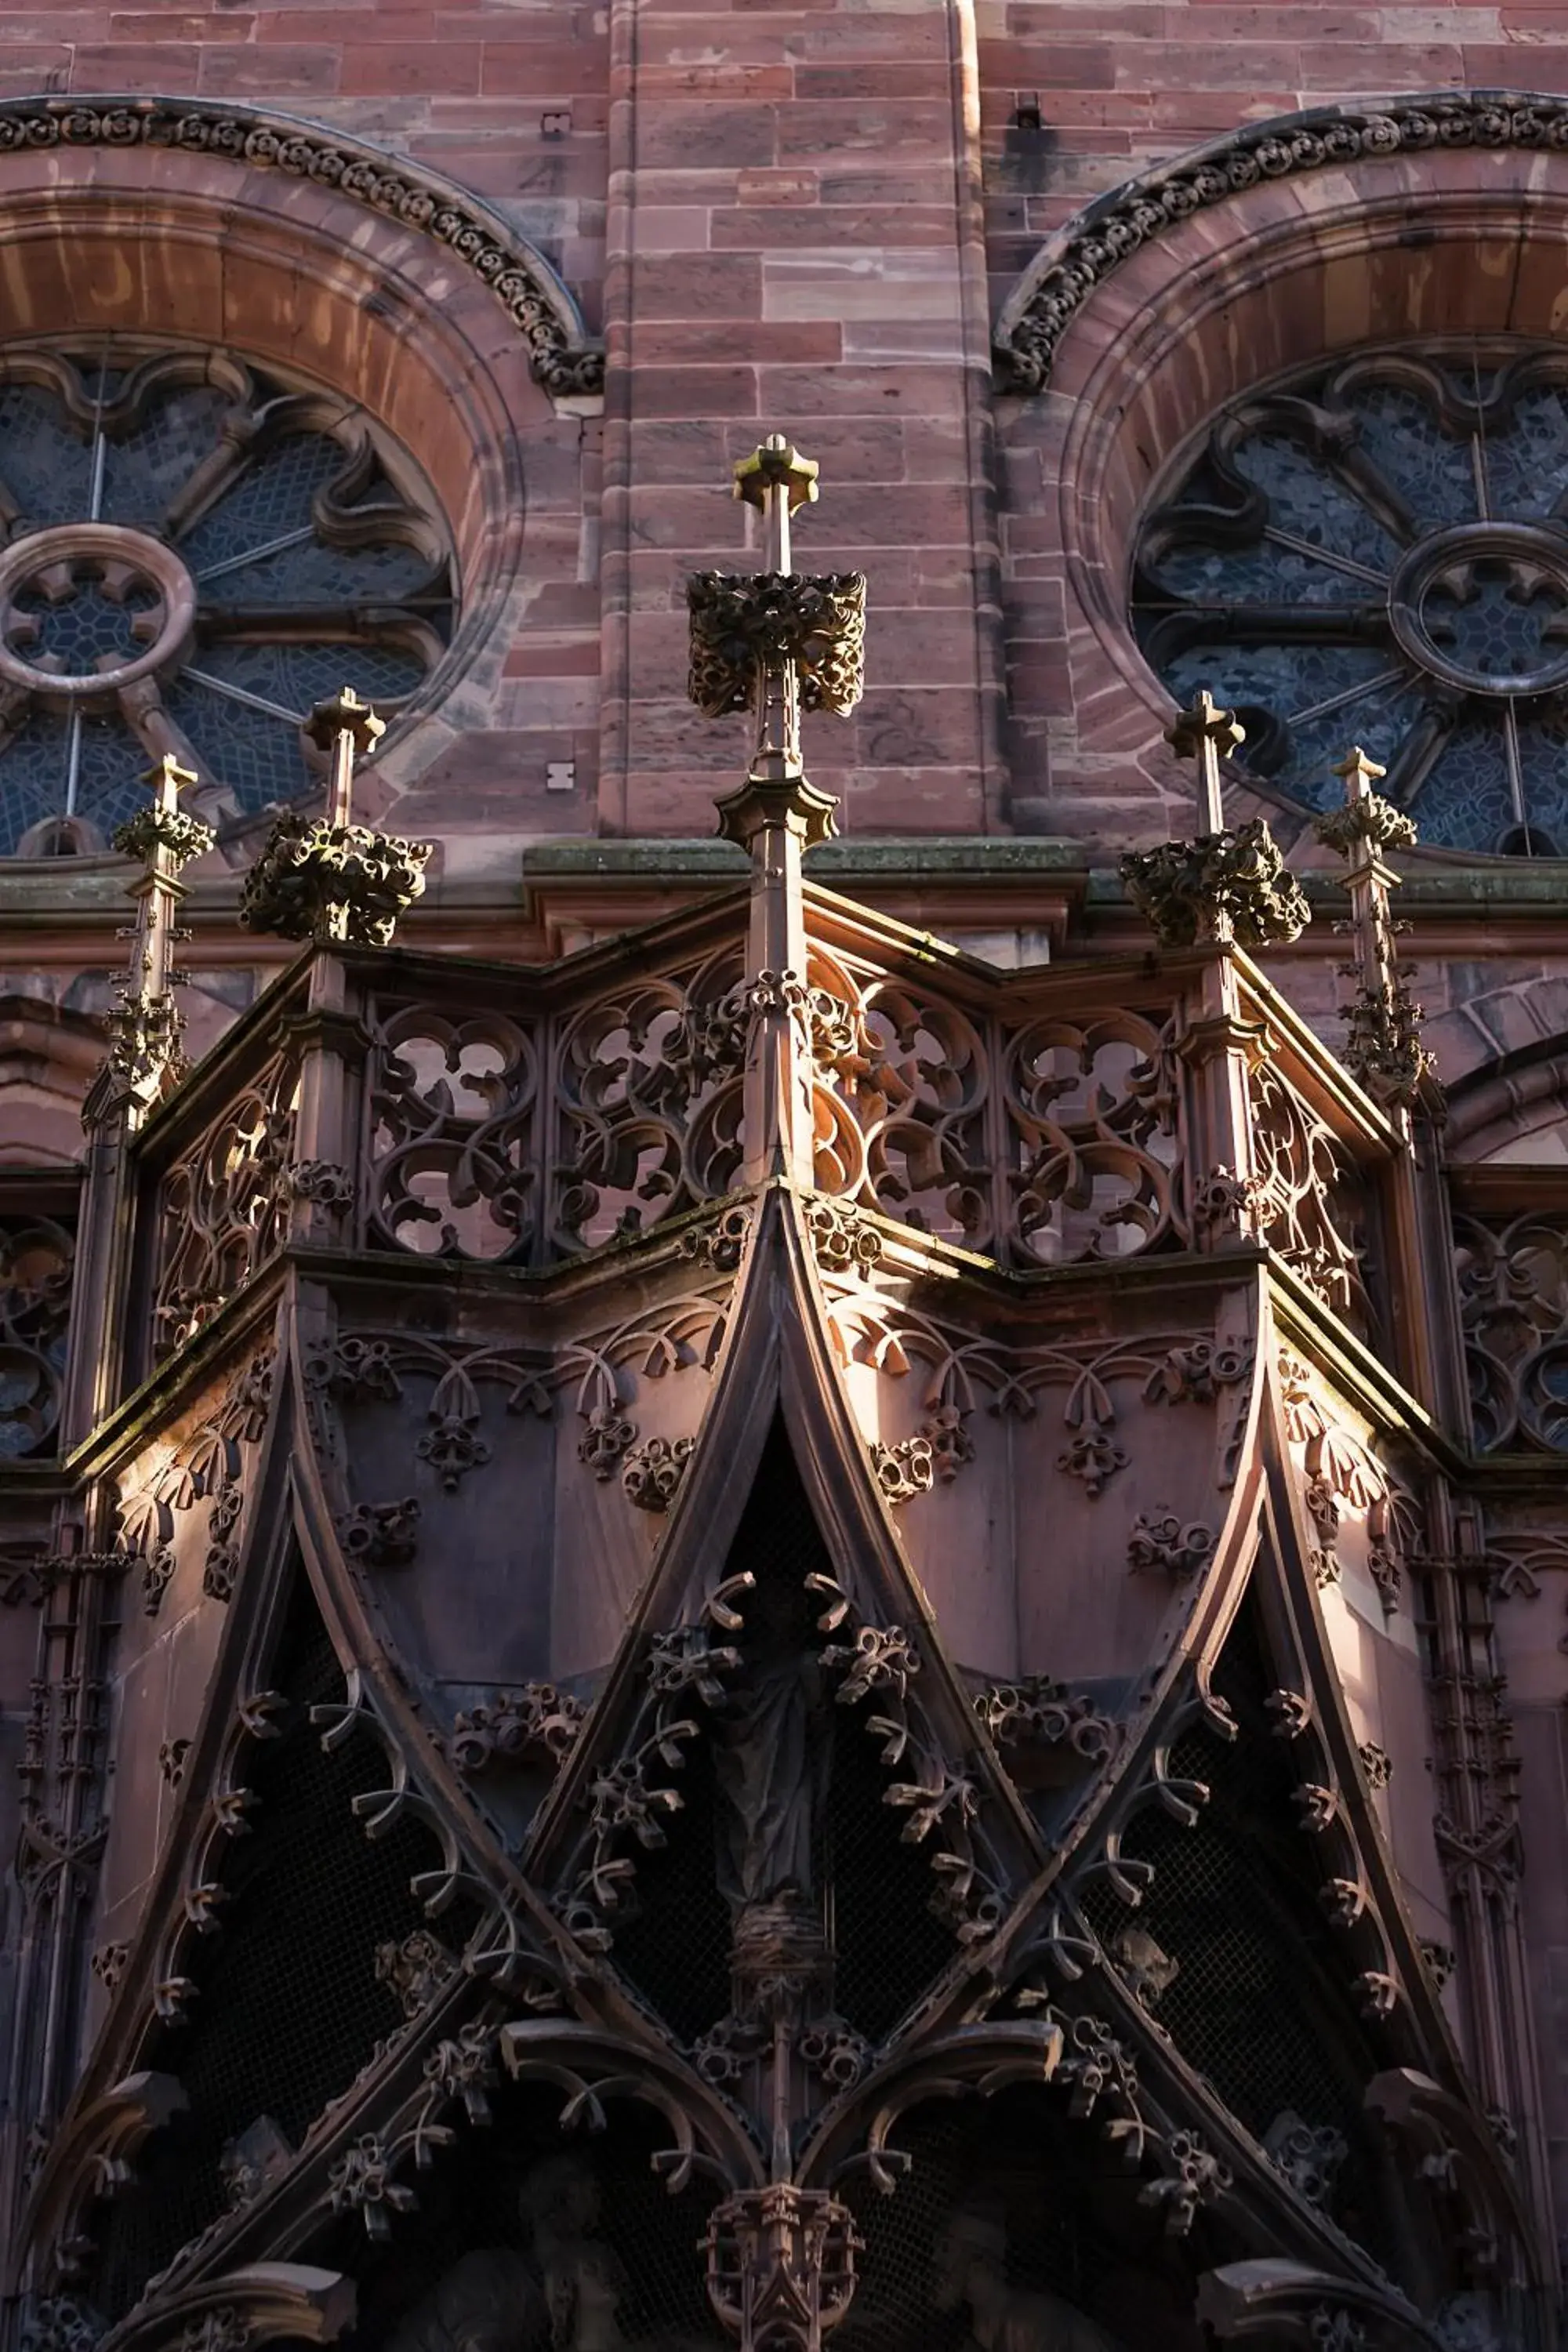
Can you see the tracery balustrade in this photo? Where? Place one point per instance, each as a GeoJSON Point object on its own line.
{"type": "Point", "coordinates": [223, 1206]}
{"type": "Point", "coordinates": [1513, 1277]}
{"type": "Point", "coordinates": [505, 1116]}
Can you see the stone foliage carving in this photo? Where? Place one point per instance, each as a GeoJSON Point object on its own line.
{"type": "Point", "coordinates": [1309, 1202]}
{"type": "Point", "coordinates": [743, 621]}
{"type": "Point", "coordinates": [1189, 890]}
{"type": "Point", "coordinates": [1513, 1303]}
{"type": "Point", "coordinates": [223, 1206]}
{"type": "Point", "coordinates": [1038, 1713]}
{"type": "Point", "coordinates": [904, 1470]}
{"type": "Point", "coordinates": [1340, 1475]}
{"type": "Point", "coordinates": [316, 879]}
{"type": "Point", "coordinates": [477, 239]}
{"type": "Point", "coordinates": [462, 1427]}
{"type": "Point", "coordinates": [942, 1805]}
{"type": "Point", "coordinates": [1309, 2156]}
{"type": "Point", "coordinates": [210, 1467]}
{"type": "Point", "coordinates": [1163, 1545]}
{"type": "Point", "coordinates": [36, 1258]}
{"type": "Point", "coordinates": [415, 1970]}
{"type": "Point", "coordinates": [961, 1371]}
{"type": "Point", "coordinates": [630, 1799]}
{"type": "Point", "coordinates": [535, 1724]}
{"type": "Point", "coordinates": [1098, 239]}
{"type": "Point", "coordinates": [652, 1471]}
{"type": "Point", "coordinates": [381, 1535]}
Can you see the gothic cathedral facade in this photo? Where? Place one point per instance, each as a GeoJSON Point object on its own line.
{"type": "Point", "coordinates": [784, 1176]}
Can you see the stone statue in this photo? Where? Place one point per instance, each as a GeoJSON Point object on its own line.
{"type": "Point", "coordinates": [563, 2296]}
{"type": "Point", "coordinates": [971, 2272]}
{"type": "Point", "coordinates": [583, 2277]}
{"type": "Point", "coordinates": [489, 2301]}
{"type": "Point", "coordinates": [772, 1753]}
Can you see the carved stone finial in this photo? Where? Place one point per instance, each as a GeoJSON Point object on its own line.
{"type": "Point", "coordinates": [781, 2267]}
{"type": "Point", "coordinates": [1206, 733]}
{"type": "Point", "coordinates": [146, 1059]}
{"type": "Point", "coordinates": [346, 729]}
{"type": "Point", "coordinates": [772, 641]}
{"type": "Point", "coordinates": [1383, 1020]}
{"type": "Point", "coordinates": [777, 467]}
{"type": "Point", "coordinates": [325, 878]}
{"type": "Point", "coordinates": [1223, 885]}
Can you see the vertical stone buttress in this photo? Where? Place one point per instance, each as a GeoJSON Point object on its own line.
{"type": "Point", "coordinates": [795, 245]}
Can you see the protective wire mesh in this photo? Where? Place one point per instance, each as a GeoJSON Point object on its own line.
{"type": "Point", "coordinates": [1062, 2220]}
{"type": "Point", "coordinates": [875, 1890]}
{"type": "Point", "coordinates": [287, 2007]}
{"type": "Point", "coordinates": [1261, 2004]}
{"type": "Point", "coordinates": [477, 2195]}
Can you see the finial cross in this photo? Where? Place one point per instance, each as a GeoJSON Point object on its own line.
{"type": "Point", "coordinates": [775, 479]}
{"type": "Point", "coordinates": [1206, 733]}
{"type": "Point", "coordinates": [345, 728]}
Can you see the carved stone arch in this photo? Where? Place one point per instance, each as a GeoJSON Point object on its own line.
{"type": "Point", "coordinates": [270, 1770]}
{"type": "Point", "coordinates": [256, 2304]}
{"type": "Point", "coordinates": [48, 1053]}
{"type": "Point", "coordinates": [339, 266]}
{"type": "Point", "coordinates": [777, 1373]}
{"type": "Point", "coordinates": [1512, 1110]}
{"type": "Point", "coordinates": [1260, 251]}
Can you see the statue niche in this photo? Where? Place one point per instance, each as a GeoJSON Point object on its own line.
{"type": "Point", "coordinates": [773, 1752]}
{"type": "Point", "coordinates": [969, 2273]}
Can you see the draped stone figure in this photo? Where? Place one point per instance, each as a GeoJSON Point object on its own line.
{"type": "Point", "coordinates": [490, 2301]}
{"type": "Point", "coordinates": [970, 2273]}
{"type": "Point", "coordinates": [772, 1749]}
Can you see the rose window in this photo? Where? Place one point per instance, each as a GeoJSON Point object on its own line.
{"type": "Point", "coordinates": [193, 555]}
{"type": "Point", "coordinates": [1378, 553]}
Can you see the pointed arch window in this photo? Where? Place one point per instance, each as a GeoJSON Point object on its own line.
{"type": "Point", "coordinates": [1377, 551]}
{"type": "Point", "coordinates": [194, 551]}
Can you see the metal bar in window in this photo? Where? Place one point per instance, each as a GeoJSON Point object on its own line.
{"type": "Point", "coordinates": [1346, 564]}
{"type": "Point", "coordinates": [241, 694]}
{"type": "Point", "coordinates": [1515, 765]}
{"type": "Point", "coordinates": [255, 554]}
{"type": "Point", "coordinates": [1341, 701]}
{"type": "Point", "coordinates": [73, 761]}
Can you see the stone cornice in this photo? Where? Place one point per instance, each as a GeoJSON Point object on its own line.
{"type": "Point", "coordinates": [1088, 249]}
{"type": "Point", "coordinates": [563, 360]}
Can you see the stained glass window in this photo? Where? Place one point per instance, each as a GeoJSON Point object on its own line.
{"type": "Point", "coordinates": [192, 554]}
{"type": "Point", "coordinates": [1377, 553]}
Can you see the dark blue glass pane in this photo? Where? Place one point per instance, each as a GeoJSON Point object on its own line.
{"type": "Point", "coordinates": [1465, 800]}
{"type": "Point", "coordinates": [258, 759]}
{"type": "Point", "coordinates": [273, 496]}
{"type": "Point", "coordinates": [1431, 471]}
{"type": "Point", "coordinates": [1527, 467]}
{"type": "Point", "coordinates": [314, 574]}
{"type": "Point", "coordinates": [32, 767]}
{"type": "Point", "coordinates": [143, 470]}
{"type": "Point", "coordinates": [44, 462]}
{"type": "Point", "coordinates": [1305, 499]}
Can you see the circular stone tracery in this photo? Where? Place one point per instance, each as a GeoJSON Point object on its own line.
{"type": "Point", "coordinates": [194, 552]}
{"type": "Point", "coordinates": [1377, 553]}
{"type": "Point", "coordinates": [88, 609]}
{"type": "Point", "coordinates": [1485, 608]}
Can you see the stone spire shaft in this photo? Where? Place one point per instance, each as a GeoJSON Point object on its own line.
{"type": "Point", "coordinates": [1383, 1020]}
{"type": "Point", "coordinates": [771, 643]}
{"type": "Point", "coordinates": [145, 1028]}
